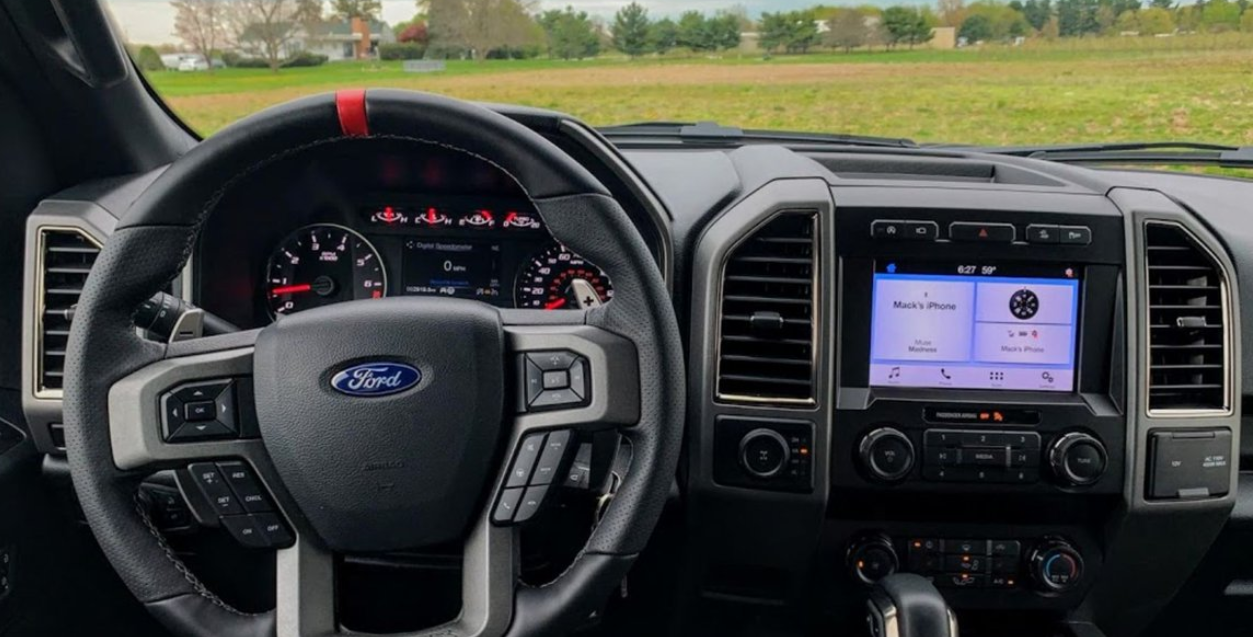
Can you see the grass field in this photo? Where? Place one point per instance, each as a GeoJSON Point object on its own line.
{"type": "Point", "coordinates": [1196, 88]}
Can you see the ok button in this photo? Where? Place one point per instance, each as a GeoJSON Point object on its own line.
{"type": "Point", "coordinates": [558, 379]}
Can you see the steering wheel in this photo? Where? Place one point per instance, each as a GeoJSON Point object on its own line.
{"type": "Point", "coordinates": [421, 463]}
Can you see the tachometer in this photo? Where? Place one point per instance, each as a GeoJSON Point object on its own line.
{"type": "Point", "coordinates": [322, 264]}
{"type": "Point", "coordinates": [558, 279]}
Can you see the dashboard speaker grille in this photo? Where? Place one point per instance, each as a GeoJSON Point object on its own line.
{"type": "Point", "coordinates": [65, 257]}
{"type": "Point", "coordinates": [1187, 323]}
{"type": "Point", "coordinates": [768, 323]}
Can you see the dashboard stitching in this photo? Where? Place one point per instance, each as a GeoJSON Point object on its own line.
{"type": "Point", "coordinates": [179, 566]}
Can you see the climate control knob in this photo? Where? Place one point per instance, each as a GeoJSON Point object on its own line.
{"type": "Point", "coordinates": [764, 452]}
{"type": "Point", "coordinates": [886, 454]}
{"type": "Point", "coordinates": [1077, 459]}
{"type": "Point", "coordinates": [1055, 566]}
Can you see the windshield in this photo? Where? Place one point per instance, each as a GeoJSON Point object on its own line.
{"type": "Point", "coordinates": [983, 72]}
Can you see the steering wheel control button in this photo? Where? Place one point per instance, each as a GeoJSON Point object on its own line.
{"type": "Point", "coordinates": [209, 481]}
{"type": "Point", "coordinates": [982, 232]}
{"type": "Point", "coordinates": [530, 503]}
{"type": "Point", "coordinates": [245, 531]}
{"type": "Point", "coordinates": [1042, 233]}
{"type": "Point", "coordinates": [554, 380]}
{"type": "Point", "coordinates": [528, 452]}
{"type": "Point", "coordinates": [199, 411]}
{"type": "Point", "coordinates": [507, 505]}
{"type": "Point", "coordinates": [1075, 235]}
{"type": "Point", "coordinates": [273, 530]}
{"type": "Point", "coordinates": [887, 454]}
{"type": "Point", "coordinates": [240, 479]}
{"type": "Point", "coordinates": [550, 460]}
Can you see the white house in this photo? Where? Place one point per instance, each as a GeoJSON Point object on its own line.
{"type": "Point", "coordinates": [343, 39]}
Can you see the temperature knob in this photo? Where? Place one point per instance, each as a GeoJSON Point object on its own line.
{"type": "Point", "coordinates": [1056, 566]}
{"type": "Point", "coordinates": [872, 558]}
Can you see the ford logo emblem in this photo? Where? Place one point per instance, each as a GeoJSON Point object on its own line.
{"type": "Point", "coordinates": [376, 379]}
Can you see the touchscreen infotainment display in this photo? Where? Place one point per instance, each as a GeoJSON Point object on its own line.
{"type": "Point", "coordinates": [974, 326]}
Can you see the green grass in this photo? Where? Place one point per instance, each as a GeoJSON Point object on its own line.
{"type": "Point", "coordinates": [1196, 88]}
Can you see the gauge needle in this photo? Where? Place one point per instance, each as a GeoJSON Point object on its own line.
{"type": "Point", "coordinates": [291, 289]}
{"type": "Point", "coordinates": [555, 304]}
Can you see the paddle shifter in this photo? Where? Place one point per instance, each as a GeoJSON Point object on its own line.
{"type": "Point", "coordinates": [907, 605]}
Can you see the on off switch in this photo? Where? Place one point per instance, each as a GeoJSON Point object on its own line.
{"type": "Point", "coordinates": [886, 454]}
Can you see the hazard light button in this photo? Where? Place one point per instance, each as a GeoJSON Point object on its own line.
{"type": "Point", "coordinates": [981, 232]}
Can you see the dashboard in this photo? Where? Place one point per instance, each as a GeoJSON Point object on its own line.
{"type": "Point", "coordinates": [1019, 379]}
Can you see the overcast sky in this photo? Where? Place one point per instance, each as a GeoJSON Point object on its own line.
{"type": "Point", "coordinates": [151, 21]}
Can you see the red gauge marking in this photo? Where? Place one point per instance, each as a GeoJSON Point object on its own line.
{"type": "Point", "coordinates": [291, 289]}
{"type": "Point", "coordinates": [552, 305]}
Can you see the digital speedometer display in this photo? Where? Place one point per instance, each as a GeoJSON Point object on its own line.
{"type": "Point", "coordinates": [320, 265]}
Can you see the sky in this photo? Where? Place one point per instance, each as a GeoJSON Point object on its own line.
{"type": "Point", "coordinates": [151, 21]}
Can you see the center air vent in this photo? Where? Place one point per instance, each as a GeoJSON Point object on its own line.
{"type": "Point", "coordinates": [1188, 320]}
{"type": "Point", "coordinates": [65, 257]}
{"type": "Point", "coordinates": [768, 324]}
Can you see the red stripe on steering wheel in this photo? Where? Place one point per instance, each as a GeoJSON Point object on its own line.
{"type": "Point", "coordinates": [351, 108]}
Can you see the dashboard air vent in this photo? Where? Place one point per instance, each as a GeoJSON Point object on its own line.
{"type": "Point", "coordinates": [1187, 318]}
{"type": "Point", "coordinates": [66, 256]}
{"type": "Point", "coordinates": [768, 322]}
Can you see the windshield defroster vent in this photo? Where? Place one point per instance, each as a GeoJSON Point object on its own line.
{"type": "Point", "coordinates": [768, 319]}
{"type": "Point", "coordinates": [65, 257]}
{"type": "Point", "coordinates": [1187, 322]}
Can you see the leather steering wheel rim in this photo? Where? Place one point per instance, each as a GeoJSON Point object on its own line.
{"type": "Point", "coordinates": [154, 240]}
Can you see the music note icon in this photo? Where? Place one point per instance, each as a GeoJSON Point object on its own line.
{"type": "Point", "coordinates": [895, 373]}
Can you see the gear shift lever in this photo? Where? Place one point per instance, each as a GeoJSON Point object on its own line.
{"type": "Point", "coordinates": [907, 605]}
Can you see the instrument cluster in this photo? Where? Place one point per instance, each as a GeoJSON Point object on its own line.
{"type": "Point", "coordinates": [498, 252]}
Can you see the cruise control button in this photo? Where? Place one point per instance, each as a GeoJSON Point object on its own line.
{"type": "Point", "coordinates": [244, 529]}
{"type": "Point", "coordinates": [528, 451]}
{"type": "Point", "coordinates": [198, 431]}
{"type": "Point", "coordinates": [200, 411]}
{"type": "Point", "coordinates": [273, 530]}
{"type": "Point", "coordinates": [1076, 235]}
{"type": "Point", "coordinates": [981, 232]}
{"type": "Point", "coordinates": [550, 460]}
{"type": "Point", "coordinates": [556, 398]}
{"type": "Point", "coordinates": [507, 506]}
{"type": "Point", "coordinates": [239, 477]}
{"type": "Point", "coordinates": [209, 481]}
{"type": "Point", "coordinates": [530, 503]}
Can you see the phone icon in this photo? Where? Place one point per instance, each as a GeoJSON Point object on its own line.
{"type": "Point", "coordinates": [945, 374]}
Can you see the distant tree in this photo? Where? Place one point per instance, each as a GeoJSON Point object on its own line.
{"type": "Point", "coordinates": [1188, 18]}
{"type": "Point", "coordinates": [309, 14]}
{"type": "Point", "coordinates": [203, 25]}
{"type": "Point", "coordinates": [901, 24]}
{"type": "Point", "coordinates": [976, 28]}
{"type": "Point", "coordinates": [571, 34]}
{"type": "Point", "coordinates": [1246, 22]}
{"type": "Point", "coordinates": [365, 9]}
{"type": "Point", "coordinates": [1162, 4]}
{"type": "Point", "coordinates": [724, 30]}
{"type": "Point", "coordinates": [631, 30]}
{"type": "Point", "coordinates": [415, 32]}
{"type": "Point", "coordinates": [663, 36]}
{"type": "Point", "coordinates": [693, 31]}
{"type": "Point", "coordinates": [479, 28]}
{"type": "Point", "coordinates": [924, 26]}
{"type": "Point", "coordinates": [1220, 15]}
{"type": "Point", "coordinates": [262, 28]}
{"type": "Point", "coordinates": [148, 60]}
{"type": "Point", "coordinates": [1051, 31]}
{"type": "Point", "coordinates": [1155, 21]}
{"type": "Point", "coordinates": [447, 21]}
{"type": "Point", "coordinates": [952, 12]}
{"type": "Point", "coordinates": [847, 29]}
{"type": "Point", "coordinates": [1037, 13]}
{"type": "Point", "coordinates": [793, 31]}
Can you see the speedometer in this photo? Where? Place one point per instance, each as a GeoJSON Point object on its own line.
{"type": "Point", "coordinates": [558, 279]}
{"type": "Point", "coordinates": [320, 265]}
